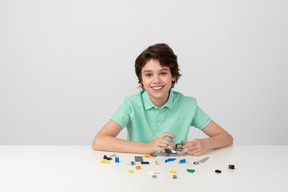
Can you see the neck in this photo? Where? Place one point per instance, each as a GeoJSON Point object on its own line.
{"type": "Point", "coordinates": [160, 102]}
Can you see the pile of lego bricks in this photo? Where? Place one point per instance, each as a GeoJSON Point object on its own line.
{"type": "Point", "coordinates": [140, 160]}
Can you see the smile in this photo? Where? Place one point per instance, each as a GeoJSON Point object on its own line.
{"type": "Point", "coordinates": [157, 88]}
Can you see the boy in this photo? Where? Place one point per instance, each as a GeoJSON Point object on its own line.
{"type": "Point", "coordinates": [158, 112]}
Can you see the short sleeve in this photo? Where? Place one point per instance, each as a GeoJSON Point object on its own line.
{"type": "Point", "coordinates": [201, 119]}
{"type": "Point", "coordinates": [122, 115]}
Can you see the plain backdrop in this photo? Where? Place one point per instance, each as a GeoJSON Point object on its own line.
{"type": "Point", "coordinates": [66, 65]}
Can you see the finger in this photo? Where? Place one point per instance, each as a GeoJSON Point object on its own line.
{"type": "Point", "coordinates": [192, 144]}
{"type": "Point", "coordinates": [164, 135]}
{"type": "Point", "coordinates": [163, 143]}
{"type": "Point", "coordinates": [189, 146]}
{"type": "Point", "coordinates": [185, 142]}
{"type": "Point", "coordinates": [170, 144]}
{"type": "Point", "coordinates": [184, 151]}
{"type": "Point", "coordinates": [191, 150]}
{"type": "Point", "coordinates": [162, 149]}
{"type": "Point", "coordinates": [166, 143]}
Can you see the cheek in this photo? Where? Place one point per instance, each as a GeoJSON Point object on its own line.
{"type": "Point", "coordinates": [168, 81]}
{"type": "Point", "coordinates": [145, 82]}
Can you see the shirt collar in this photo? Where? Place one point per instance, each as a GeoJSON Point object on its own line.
{"type": "Point", "coordinates": [148, 103]}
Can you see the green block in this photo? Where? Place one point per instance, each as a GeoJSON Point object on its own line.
{"type": "Point", "coordinates": [191, 170]}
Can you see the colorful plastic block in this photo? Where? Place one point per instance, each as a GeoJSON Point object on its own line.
{"type": "Point", "coordinates": [113, 155]}
{"type": "Point", "coordinates": [170, 159]}
{"type": "Point", "coordinates": [108, 158]}
{"type": "Point", "coordinates": [182, 161]}
{"type": "Point", "coordinates": [148, 156]}
{"type": "Point", "coordinates": [138, 158]}
{"type": "Point", "coordinates": [191, 170]}
{"type": "Point", "coordinates": [218, 171]}
{"type": "Point", "coordinates": [231, 166]}
{"type": "Point", "coordinates": [104, 162]}
{"type": "Point", "coordinates": [116, 159]}
{"type": "Point", "coordinates": [154, 172]}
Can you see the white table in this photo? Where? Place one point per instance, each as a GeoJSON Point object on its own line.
{"type": "Point", "coordinates": [78, 168]}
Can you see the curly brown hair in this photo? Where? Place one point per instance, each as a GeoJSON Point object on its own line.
{"type": "Point", "coordinates": [166, 57]}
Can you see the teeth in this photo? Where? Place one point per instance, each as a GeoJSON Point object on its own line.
{"type": "Point", "coordinates": [157, 88]}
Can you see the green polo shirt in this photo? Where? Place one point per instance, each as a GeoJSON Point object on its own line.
{"type": "Point", "coordinates": [145, 121]}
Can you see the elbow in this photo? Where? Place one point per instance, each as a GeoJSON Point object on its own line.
{"type": "Point", "coordinates": [96, 144]}
{"type": "Point", "coordinates": [231, 139]}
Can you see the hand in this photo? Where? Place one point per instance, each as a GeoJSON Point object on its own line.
{"type": "Point", "coordinates": [159, 143]}
{"type": "Point", "coordinates": [196, 147]}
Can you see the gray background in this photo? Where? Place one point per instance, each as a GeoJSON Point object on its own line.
{"type": "Point", "coordinates": [66, 66]}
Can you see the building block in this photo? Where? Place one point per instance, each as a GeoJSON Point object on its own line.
{"type": "Point", "coordinates": [116, 159]}
{"type": "Point", "coordinates": [113, 155]}
{"type": "Point", "coordinates": [104, 162]}
{"type": "Point", "coordinates": [218, 171]}
{"type": "Point", "coordinates": [182, 161]}
{"type": "Point", "coordinates": [154, 172]}
{"type": "Point", "coordinates": [170, 159]}
{"type": "Point", "coordinates": [148, 156]}
{"type": "Point", "coordinates": [130, 163]}
{"type": "Point", "coordinates": [231, 166]}
{"type": "Point", "coordinates": [108, 158]}
{"type": "Point", "coordinates": [138, 158]}
{"type": "Point", "coordinates": [191, 170]}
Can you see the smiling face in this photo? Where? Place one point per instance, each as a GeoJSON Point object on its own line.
{"type": "Point", "coordinates": [157, 81]}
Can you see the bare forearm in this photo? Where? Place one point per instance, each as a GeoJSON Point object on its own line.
{"type": "Point", "coordinates": [219, 141]}
{"type": "Point", "coordinates": [108, 143]}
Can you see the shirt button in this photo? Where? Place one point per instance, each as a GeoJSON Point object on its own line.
{"type": "Point", "coordinates": [158, 123]}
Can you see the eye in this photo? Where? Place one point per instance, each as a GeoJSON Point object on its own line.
{"type": "Point", "coordinates": [164, 73]}
{"type": "Point", "coordinates": [148, 74]}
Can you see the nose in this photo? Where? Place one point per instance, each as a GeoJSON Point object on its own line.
{"type": "Point", "coordinates": [156, 79]}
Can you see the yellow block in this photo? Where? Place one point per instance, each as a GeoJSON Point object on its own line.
{"type": "Point", "coordinates": [148, 156]}
{"type": "Point", "coordinates": [104, 161]}
{"type": "Point", "coordinates": [172, 172]}
{"type": "Point", "coordinates": [130, 171]}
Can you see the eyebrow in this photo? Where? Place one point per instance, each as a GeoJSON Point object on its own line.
{"type": "Point", "coordinates": [165, 69]}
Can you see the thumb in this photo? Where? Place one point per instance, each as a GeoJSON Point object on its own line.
{"type": "Point", "coordinates": [185, 142]}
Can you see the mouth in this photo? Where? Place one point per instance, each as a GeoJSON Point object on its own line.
{"type": "Point", "coordinates": [157, 88]}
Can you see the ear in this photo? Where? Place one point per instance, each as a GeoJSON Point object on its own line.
{"type": "Point", "coordinates": [173, 78]}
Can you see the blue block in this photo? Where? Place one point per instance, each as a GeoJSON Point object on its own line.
{"type": "Point", "coordinates": [116, 159]}
{"type": "Point", "coordinates": [182, 161]}
{"type": "Point", "coordinates": [170, 159]}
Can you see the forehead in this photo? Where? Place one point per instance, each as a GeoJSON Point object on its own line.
{"type": "Point", "coordinates": [154, 65]}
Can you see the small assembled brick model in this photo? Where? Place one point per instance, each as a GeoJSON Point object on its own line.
{"type": "Point", "coordinates": [178, 147]}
